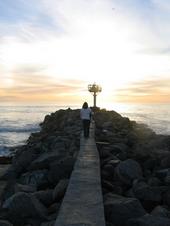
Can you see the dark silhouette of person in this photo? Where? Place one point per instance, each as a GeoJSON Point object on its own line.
{"type": "Point", "coordinates": [85, 115]}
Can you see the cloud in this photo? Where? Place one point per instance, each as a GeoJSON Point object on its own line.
{"type": "Point", "coordinates": [46, 46]}
{"type": "Point", "coordinates": [163, 5]}
{"type": "Point", "coordinates": [27, 22]}
{"type": "Point", "coordinates": [150, 90]}
{"type": "Point", "coordinates": [58, 92]}
{"type": "Point", "coordinates": [144, 21]}
{"type": "Point", "coordinates": [149, 24]}
{"type": "Point", "coordinates": [155, 51]}
{"type": "Point", "coordinates": [27, 83]}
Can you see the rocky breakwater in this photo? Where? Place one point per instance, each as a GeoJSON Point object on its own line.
{"type": "Point", "coordinates": [39, 174]}
{"type": "Point", "coordinates": [135, 171]}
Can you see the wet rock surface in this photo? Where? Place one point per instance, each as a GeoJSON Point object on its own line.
{"type": "Point", "coordinates": [135, 171]}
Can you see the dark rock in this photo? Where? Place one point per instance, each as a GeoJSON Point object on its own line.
{"type": "Point", "coordinates": [48, 223]}
{"type": "Point", "coordinates": [167, 180]}
{"type": "Point", "coordinates": [104, 161]}
{"type": "Point", "coordinates": [120, 151]}
{"type": "Point", "coordinates": [61, 170]}
{"type": "Point", "coordinates": [31, 222]}
{"type": "Point", "coordinates": [149, 164]}
{"type": "Point", "coordinates": [154, 181]}
{"type": "Point", "coordinates": [40, 165]}
{"type": "Point", "coordinates": [143, 191]}
{"type": "Point", "coordinates": [22, 160]}
{"type": "Point", "coordinates": [109, 224]}
{"type": "Point", "coordinates": [60, 190]}
{"type": "Point", "coordinates": [21, 206]}
{"type": "Point", "coordinates": [24, 188]}
{"type": "Point", "coordinates": [109, 167]}
{"type": "Point", "coordinates": [10, 174]}
{"type": "Point", "coordinates": [129, 193]}
{"type": "Point", "coordinates": [165, 162]}
{"type": "Point", "coordinates": [107, 125]}
{"type": "Point", "coordinates": [161, 174]}
{"type": "Point", "coordinates": [108, 170]}
{"type": "Point", "coordinates": [104, 153]}
{"type": "Point", "coordinates": [122, 155]}
{"type": "Point", "coordinates": [114, 162]}
{"type": "Point", "coordinates": [52, 216]}
{"type": "Point", "coordinates": [5, 159]}
{"type": "Point", "coordinates": [44, 160]}
{"type": "Point", "coordinates": [45, 197]}
{"type": "Point", "coordinates": [160, 211]}
{"type": "Point", "coordinates": [107, 185]}
{"type": "Point", "coordinates": [149, 220]}
{"type": "Point", "coordinates": [36, 178]}
{"type": "Point", "coordinates": [166, 197]}
{"type": "Point", "coordinates": [149, 196]}
{"type": "Point", "coordinates": [106, 175]}
{"type": "Point", "coordinates": [128, 170]}
{"type": "Point", "coordinates": [8, 191]}
{"type": "Point", "coordinates": [5, 223]}
{"type": "Point", "coordinates": [54, 208]}
{"type": "Point", "coordinates": [119, 209]}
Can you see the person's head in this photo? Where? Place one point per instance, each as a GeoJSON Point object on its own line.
{"type": "Point", "coordinates": [85, 105]}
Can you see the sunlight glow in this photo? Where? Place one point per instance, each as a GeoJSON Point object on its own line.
{"type": "Point", "coordinates": [91, 43]}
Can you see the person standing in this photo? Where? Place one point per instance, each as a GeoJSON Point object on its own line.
{"type": "Point", "coordinates": [85, 115]}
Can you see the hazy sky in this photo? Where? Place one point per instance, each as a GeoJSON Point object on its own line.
{"type": "Point", "coordinates": [51, 50]}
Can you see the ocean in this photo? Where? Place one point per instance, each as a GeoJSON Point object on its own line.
{"type": "Point", "coordinates": [18, 122]}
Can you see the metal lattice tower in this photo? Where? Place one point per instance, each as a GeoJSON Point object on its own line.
{"type": "Point", "coordinates": [95, 89]}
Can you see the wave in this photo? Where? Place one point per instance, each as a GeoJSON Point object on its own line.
{"type": "Point", "coordinates": [4, 151]}
{"type": "Point", "coordinates": [24, 129]}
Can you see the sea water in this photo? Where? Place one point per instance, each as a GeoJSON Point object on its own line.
{"type": "Point", "coordinates": [18, 122]}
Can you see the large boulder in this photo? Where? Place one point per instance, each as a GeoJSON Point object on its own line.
{"type": "Point", "coordinates": [166, 198]}
{"type": "Point", "coordinates": [128, 170]}
{"type": "Point", "coordinates": [120, 150]}
{"type": "Point", "coordinates": [21, 161]}
{"type": "Point", "coordinates": [45, 196]}
{"type": "Point", "coordinates": [162, 174]}
{"type": "Point", "coordinates": [143, 191]}
{"type": "Point", "coordinates": [108, 171]}
{"type": "Point", "coordinates": [24, 188]}
{"type": "Point", "coordinates": [54, 208]}
{"type": "Point", "coordinates": [149, 196]}
{"type": "Point", "coordinates": [61, 170]}
{"type": "Point", "coordinates": [119, 209]}
{"type": "Point", "coordinates": [160, 211]}
{"type": "Point", "coordinates": [48, 223]}
{"type": "Point", "coordinates": [165, 162]}
{"type": "Point", "coordinates": [149, 220]}
{"type": "Point", "coordinates": [5, 223]}
{"type": "Point", "coordinates": [38, 178]}
{"type": "Point", "coordinates": [21, 206]}
{"type": "Point", "coordinates": [60, 190]}
{"type": "Point", "coordinates": [44, 160]}
{"type": "Point", "coordinates": [153, 181]}
{"type": "Point", "coordinates": [111, 187]}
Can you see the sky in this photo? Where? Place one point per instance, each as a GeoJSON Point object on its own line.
{"type": "Point", "coordinates": [51, 50]}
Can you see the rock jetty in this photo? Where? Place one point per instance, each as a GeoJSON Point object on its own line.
{"type": "Point", "coordinates": [39, 174]}
{"type": "Point", "coordinates": [135, 172]}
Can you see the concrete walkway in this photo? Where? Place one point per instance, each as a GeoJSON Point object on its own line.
{"type": "Point", "coordinates": [83, 201]}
